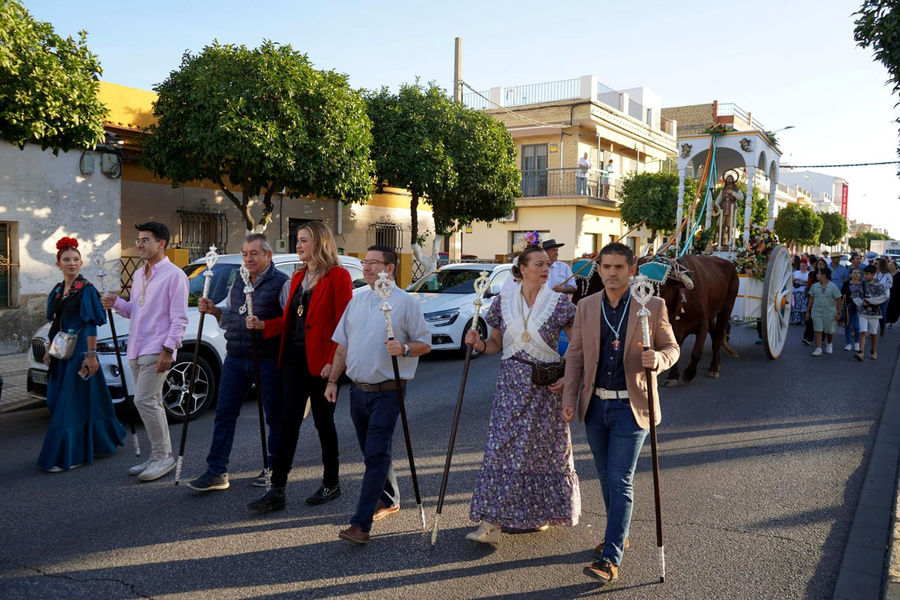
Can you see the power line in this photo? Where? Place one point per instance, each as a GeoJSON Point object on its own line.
{"type": "Point", "coordinates": [873, 164]}
{"type": "Point", "coordinates": [513, 113]}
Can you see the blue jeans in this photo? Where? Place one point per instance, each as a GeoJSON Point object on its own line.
{"type": "Point", "coordinates": [851, 331]}
{"type": "Point", "coordinates": [615, 440]}
{"type": "Point", "coordinates": [238, 375]}
{"type": "Point", "coordinates": [375, 416]}
{"type": "Point", "coordinates": [581, 185]}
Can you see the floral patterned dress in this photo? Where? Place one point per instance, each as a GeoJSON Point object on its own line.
{"type": "Point", "coordinates": [527, 478]}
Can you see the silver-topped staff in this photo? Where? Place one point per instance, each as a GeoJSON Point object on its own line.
{"type": "Point", "coordinates": [481, 285]}
{"type": "Point", "coordinates": [188, 401]}
{"type": "Point", "coordinates": [384, 287]}
{"type": "Point", "coordinates": [96, 257]}
{"type": "Point", "coordinates": [642, 290]}
{"type": "Point", "coordinates": [247, 309]}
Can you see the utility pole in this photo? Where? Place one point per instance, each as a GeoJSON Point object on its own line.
{"type": "Point", "coordinates": [457, 71]}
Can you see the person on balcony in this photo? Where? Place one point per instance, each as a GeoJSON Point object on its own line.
{"type": "Point", "coordinates": [607, 178]}
{"type": "Point", "coordinates": [581, 173]}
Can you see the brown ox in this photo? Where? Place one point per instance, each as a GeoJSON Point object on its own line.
{"type": "Point", "coordinates": [700, 304]}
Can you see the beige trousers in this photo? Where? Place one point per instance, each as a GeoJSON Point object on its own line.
{"type": "Point", "coordinates": [148, 402]}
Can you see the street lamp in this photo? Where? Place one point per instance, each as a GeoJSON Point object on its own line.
{"type": "Point", "coordinates": [782, 129]}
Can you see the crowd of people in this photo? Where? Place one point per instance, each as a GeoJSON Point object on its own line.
{"type": "Point", "coordinates": [856, 297]}
{"type": "Point", "coordinates": [302, 333]}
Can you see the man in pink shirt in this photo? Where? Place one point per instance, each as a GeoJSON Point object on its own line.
{"type": "Point", "coordinates": [158, 312]}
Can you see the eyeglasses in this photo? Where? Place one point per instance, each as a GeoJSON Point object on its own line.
{"type": "Point", "coordinates": [372, 263]}
{"type": "Point", "coordinates": [143, 241]}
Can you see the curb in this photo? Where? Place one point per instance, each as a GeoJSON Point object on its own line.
{"type": "Point", "coordinates": [892, 584]}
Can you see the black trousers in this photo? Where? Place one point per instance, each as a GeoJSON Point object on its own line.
{"type": "Point", "coordinates": [297, 383]}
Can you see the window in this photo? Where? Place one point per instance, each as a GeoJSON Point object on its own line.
{"type": "Point", "coordinates": [534, 170]}
{"type": "Point", "coordinates": [203, 228]}
{"type": "Point", "coordinates": [387, 234]}
{"type": "Point", "coordinates": [8, 264]}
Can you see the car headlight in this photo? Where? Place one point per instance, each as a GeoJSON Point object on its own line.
{"type": "Point", "coordinates": [106, 346]}
{"type": "Point", "coordinates": [442, 318]}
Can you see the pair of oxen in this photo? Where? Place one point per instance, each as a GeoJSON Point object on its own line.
{"type": "Point", "coordinates": [699, 294]}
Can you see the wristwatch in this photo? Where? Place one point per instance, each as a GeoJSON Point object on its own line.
{"type": "Point", "coordinates": [405, 351]}
{"type": "Point", "coordinates": [168, 350]}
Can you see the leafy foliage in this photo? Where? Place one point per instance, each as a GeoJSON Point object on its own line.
{"type": "Point", "coordinates": [859, 242]}
{"type": "Point", "coordinates": [878, 27]}
{"type": "Point", "coordinates": [798, 224]}
{"type": "Point", "coordinates": [261, 120]}
{"type": "Point", "coordinates": [653, 196]}
{"type": "Point", "coordinates": [459, 161]}
{"type": "Point", "coordinates": [48, 85]}
{"type": "Point", "coordinates": [834, 228]}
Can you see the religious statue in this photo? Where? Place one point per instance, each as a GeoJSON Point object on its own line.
{"type": "Point", "coordinates": [726, 210]}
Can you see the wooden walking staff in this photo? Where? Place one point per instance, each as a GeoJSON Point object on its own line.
{"type": "Point", "coordinates": [97, 258]}
{"type": "Point", "coordinates": [211, 259]}
{"type": "Point", "coordinates": [384, 287]}
{"type": "Point", "coordinates": [642, 290]}
{"type": "Point", "coordinates": [248, 308]}
{"type": "Point", "coordinates": [481, 285]}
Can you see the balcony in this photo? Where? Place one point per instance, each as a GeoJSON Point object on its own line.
{"type": "Point", "coordinates": [586, 87]}
{"type": "Point", "coordinates": [562, 183]}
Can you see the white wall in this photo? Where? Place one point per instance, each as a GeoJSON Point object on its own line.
{"type": "Point", "coordinates": [47, 197]}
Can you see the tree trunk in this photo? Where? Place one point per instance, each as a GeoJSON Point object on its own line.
{"type": "Point", "coordinates": [414, 217]}
{"type": "Point", "coordinates": [242, 206]}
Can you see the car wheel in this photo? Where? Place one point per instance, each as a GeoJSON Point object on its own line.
{"type": "Point", "coordinates": [482, 333]}
{"type": "Point", "coordinates": [176, 387]}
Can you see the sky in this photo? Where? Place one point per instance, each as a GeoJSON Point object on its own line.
{"type": "Point", "coordinates": [788, 62]}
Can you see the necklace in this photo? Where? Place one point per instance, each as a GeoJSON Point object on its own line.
{"type": "Point", "coordinates": [303, 285]}
{"type": "Point", "coordinates": [616, 344]}
{"type": "Point", "coordinates": [148, 273]}
{"type": "Point", "coordinates": [526, 337]}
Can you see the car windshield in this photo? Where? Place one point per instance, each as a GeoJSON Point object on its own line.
{"type": "Point", "coordinates": [223, 276]}
{"type": "Point", "coordinates": [449, 281]}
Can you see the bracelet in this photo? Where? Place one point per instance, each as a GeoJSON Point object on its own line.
{"type": "Point", "coordinates": [89, 354]}
{"type": "Point", "coordinates": [484, 349]}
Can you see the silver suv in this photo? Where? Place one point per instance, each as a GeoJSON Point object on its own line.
{"type": "Point", "coordinates": [212, 341]}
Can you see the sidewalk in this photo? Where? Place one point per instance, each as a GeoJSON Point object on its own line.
{"type": "Point", "coordinates": [14, 370]}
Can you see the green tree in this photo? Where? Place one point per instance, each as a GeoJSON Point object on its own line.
{"type": "Point", "coordinates": [654, 197]}
{"type": "Point", "coordinates": [261, 120]}
{"type": "Point", "coordinates": [834, 228]}
{"type": "Point", "coordinates": [48, 85]}
{"type": "Point", "coordinates": [859, 242]}
{"type": "Point", "coordinates": [459, 161]}
{"type": "Point", "coordinates": [878, 28]}
{"type": "Point", "coordinates": [798, 224]}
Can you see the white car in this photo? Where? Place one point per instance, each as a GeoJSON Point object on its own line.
{"type": "Point", "coordinates": [212, 341]}
{"type": "Point", "coordinates": [446, 298]}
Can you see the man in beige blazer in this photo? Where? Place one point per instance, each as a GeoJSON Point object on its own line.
{"type": "Point", "coordinates": [606, 386]}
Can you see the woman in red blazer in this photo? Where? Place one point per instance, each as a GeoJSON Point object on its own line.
{"type": "Point", "coordinates": [319, 294]}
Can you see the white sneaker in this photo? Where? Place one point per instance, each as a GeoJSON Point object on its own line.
{"type": "Point", "coordinates": [138, 469]}
{"type": "Point", "coordinates": [817, 352]}
{"type": "Point", "coordinates": [848, 347]}
{"type": "Point", "coordinates": [157, 468]}
{"type": "Point", "coordinates": [856, 346]}
{"type": "Point", "coordinates": [828, 348]}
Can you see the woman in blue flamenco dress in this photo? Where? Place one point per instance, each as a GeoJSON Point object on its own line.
{"type": "Point", "coordinates": [83, 422]}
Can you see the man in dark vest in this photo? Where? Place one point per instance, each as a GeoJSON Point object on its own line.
{"type": "Point", "coordinates": [270, 292]}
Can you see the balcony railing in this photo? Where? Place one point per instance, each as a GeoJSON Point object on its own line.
{"type": "Point", "coordinates": [562, 183]}
{"type": "Point", "coordinates": [730, 109]}
{"type": "Point", "coordinates": [533, 93]}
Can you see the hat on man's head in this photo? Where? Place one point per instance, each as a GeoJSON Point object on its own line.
{"type": "Point", "coordinates": [551, 243]}
{"type": "Point", "coordinates": [871, 255]}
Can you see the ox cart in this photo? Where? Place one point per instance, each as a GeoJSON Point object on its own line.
{"type": "Point", "coordinates": [719, 150]}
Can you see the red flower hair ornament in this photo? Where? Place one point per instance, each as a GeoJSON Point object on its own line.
{"type": "Point", "coordinates": [66, 242]}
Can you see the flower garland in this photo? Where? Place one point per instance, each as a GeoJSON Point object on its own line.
{"type": "Point", "coordinates": [753, 258]}
{"type": "Point", "coordinates": [529, 238]}
{"type": "Point", "coordinates": [718, 129]}
{"type": "Point", "coordinates": [66, 242]}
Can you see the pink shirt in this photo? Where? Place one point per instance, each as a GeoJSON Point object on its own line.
{"type": "Point", "coordinates": [163, 317]}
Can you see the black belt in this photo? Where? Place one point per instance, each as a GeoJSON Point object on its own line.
{"type": "Point", "coordinates": [384, 386]}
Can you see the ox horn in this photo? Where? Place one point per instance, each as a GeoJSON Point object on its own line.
{"type": "Point", "coordinates": [686, 281]}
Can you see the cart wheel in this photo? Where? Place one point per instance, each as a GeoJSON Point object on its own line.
{"type": "Point", "coordinates": [776, 301]}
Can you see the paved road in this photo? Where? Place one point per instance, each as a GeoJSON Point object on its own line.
{"type": "Point", "coordinates": [762, 471]}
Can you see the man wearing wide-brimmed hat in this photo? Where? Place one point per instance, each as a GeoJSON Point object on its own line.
{"type": "Point", "coordinates": [560, 279]}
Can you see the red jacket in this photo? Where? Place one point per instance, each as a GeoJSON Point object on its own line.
{"type": "Point", "coordinates": [330, 297]}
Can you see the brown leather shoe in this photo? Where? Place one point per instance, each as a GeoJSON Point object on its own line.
{"type": "Point", "coordinates": [354, 534]}
{"type": "Point", "coordinates": [598, 551]}
{"type": "Point", "coordinates": [382, 511]}
{"type": "Point", "coordinates": [603, 571]}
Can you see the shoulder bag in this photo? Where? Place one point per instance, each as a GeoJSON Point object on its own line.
{"type": "Point", "coordinates": [544, 374]}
